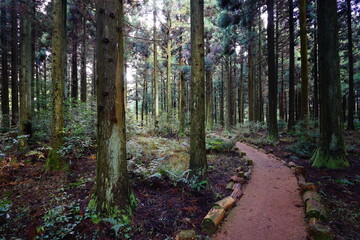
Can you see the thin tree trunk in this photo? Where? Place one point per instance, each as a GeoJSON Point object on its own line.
{"type": "Point", "coordinates": [304, 65]}
{"type": "Point", "coordinates": [5, 108]}
{"type": "Point", "coordinates": [251, 84]}
{"type": "Point", "coordinates": [83, 84]}
{"type": "Point", "coordinates": [272, 121]}
{"type": "Point", "coordinates": [222, 117]}
{"type": "Point", "coordinates": [156, 84]}
{"type": "Point", "coordinates": [208, 75]}
{"type": "Point", "coordinates": [351, 101]}
{"type": "Point", "coordinates": [74, 72]}
{"type": "Point", "coordinates": [14, 65]}
{"type": "Point", "coordinates": [315, 72]}
{"type": "Point", "coordinates": [291, 121]}
{"type": "Point", "coordinates": [168, 69]}
{"type": "Point", "coordinates": [25, 75]}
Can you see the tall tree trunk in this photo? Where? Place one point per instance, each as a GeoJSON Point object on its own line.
{"type": "Point", "coordinates": [5, 109]}
{"type": "Point", "coordinates": [37, 86]}
{"type": "Point", "coordinates": [221, 95]}
{"type": "Point", "coordinates": [291, 121]}
{"type": "Point", "coordinates": [25, 75]}
{"type": "Point", "coordinates": [282, 93]}
{"type": "Point", "coordinates": [208, 76]}
{"type": "Point", "coordinates": [74, 71]}
{"type": "Point", "coordinates": [156, 84]}
{"type": "Point", "coordinates": [14, 65]}
{"type": "Point", "coordinates": [315, 73]}
{"type": "Point", "coordinates": [241, 92]}
{"type": "Point", "coordinates": [182, 88]}
{"type": "Point", "coordinates": [58, 68]}
{"type": "Point", "coordinates": [272, 121]}
{"type": "Point", "coordinates": [304, 65]}
{"type": "Point", "coordinates": [168, 68]}
{"type": "Point", "coordinates": [331, 149]}
{"type": "Point", "coordinates": [351, 101]}
{"type": "Point", "coordinates": [198, 161]}
{"type": "Point", "coordinates": [251, 84]}
{"type": "Point", "coordinates": [228, 94]}
{"type": "Point", "coordinates": [83, 84]}
{"type": "Point", "coordinates": [112, 183]}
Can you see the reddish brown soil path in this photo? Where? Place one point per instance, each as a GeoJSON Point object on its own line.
{"type": "Point", "coordinates": [271, 208]}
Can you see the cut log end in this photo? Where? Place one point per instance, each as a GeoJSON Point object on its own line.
{"type": "Point", "coordinates": [212, 220]}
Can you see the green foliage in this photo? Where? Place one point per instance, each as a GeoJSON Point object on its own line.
{"type": "Point", "coordinates": [5, 206]}
{"type": "Point", "coordinates": [219, 145]}
{"type": "Point", "coordinates": [306, 141]}
{"type": "Point", "coordinates": [60, 222]}
{"type": "Point", "coordinates": [80, 128]}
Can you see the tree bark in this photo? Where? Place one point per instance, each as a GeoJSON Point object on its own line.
{"type": "Point", "coordinates": [291, 121]}
{"type": "Point", "coordinates": [351, 100]}
{"type": "Point", "coordinates": [25, 75]}
{"type": "Point", "coordinates": [331, 149]}
{"type": "Point", "coordinates": [74, 71]}
{"type": "Point", "coordinates": [58, 68]}
{"type": "Point", "coordinates": [83, 95]}
{"type": "Point", "coordinates": [198, 161]}
{"type": "Point", "coordinates": [5, 108]}
{"type": "Point", "coordinates": [272, 121]}
{"type": "Point", "coordinates": [112, 183]}
{"type": "Point", "coordinates": [304, 65]}
{"type": "Point", "coordinates": [14, 66]}
{"type": "Point", "coordinates": [209, 119]}
{"type": "Point", "coordinates": [156, 84]}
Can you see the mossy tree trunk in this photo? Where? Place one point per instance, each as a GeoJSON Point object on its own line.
{"type": "Point", "coordinates": [182, 89]}
{"type": "Point", "coordinates": [74, 70]}
{"type": "Point", "coordinates": [112, 183]}
{"type": "Point", "coordinates": [209, 91]}
{"type": "Point", "coordinates": [198, 161]}
{"type": "Point", "coordinates": [331, 149]}
{"type": "Point", "coordinates": [25, 74]}
{"type": "Point", "coordinates": [272, 121]}
{"type": "Point", "coordinates": [304, 65]}
{"type": "Point", "coordinates": [58, 68]}
{"type": "Point", "coordinates": [5, 107]}
{"type": "Point", "coordinates": [228, 94]}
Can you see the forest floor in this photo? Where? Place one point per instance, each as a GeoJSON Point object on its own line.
{"type": "Point", "coordinates": [35, 204]}
{"type": "Point", "coordinates": [55, 205]}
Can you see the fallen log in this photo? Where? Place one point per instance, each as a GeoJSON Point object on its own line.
{"type": "Point", "coordinates": [212, 220]}
{"type": "Point", "coordinates": [230, 185]}
{"type": "Point", "coordinates": [225, 203]}
{"type": "Point", "coordinates": [320, 231]}
{"type": "Point", "coordinates": [315, 209]}
{"type": "Point", "coordinates": [311, 195]}
{"type": "Point", "coordinates": [237, 192]}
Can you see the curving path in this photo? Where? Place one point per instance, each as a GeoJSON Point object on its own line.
{"type": "Point", "coordinates": [271, 207]}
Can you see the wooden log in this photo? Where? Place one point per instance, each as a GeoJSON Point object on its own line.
{"type": "Point", "coordinates": [311, 195]}
{"type": "Point", "coordinates": [186, 235]}
{"type": "Point", "coordinates": [299, 170]}
{"type": "Point", "coordinates": [237, 179]}
{"type": "Point", "coordinates": [241, 174]}
{"type": "Point", "coordinates": [320, 231]}
{"type": "Point", "coordinates": [301, 180]}
{"type": "Point", "coordinates": [212, 220]}
{"type": "Point", "coordinates": [225, 203]}
{"type": "Point", "coordinates": [230, 185]}
{"type": "Point", "coordinates": [249, 162]}
{"type": "Point", "coordinates": [237, 192]}
{"type": "Point", "coordinates": [308, 187]}
{"type": "Point", "coordinates": [315, 209]}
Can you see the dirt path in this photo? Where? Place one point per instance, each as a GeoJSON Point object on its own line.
{"type": "Point", "coordinates": [271, 207]}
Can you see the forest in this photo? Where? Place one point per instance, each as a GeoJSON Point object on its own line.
{"type": "Point", "coordinates": [180, 119]}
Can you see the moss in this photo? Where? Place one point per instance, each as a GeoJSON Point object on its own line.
{"type": "Point", "coordinates": [325, 160]}
{"type": "Point", "coordinates": [55, 162]}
